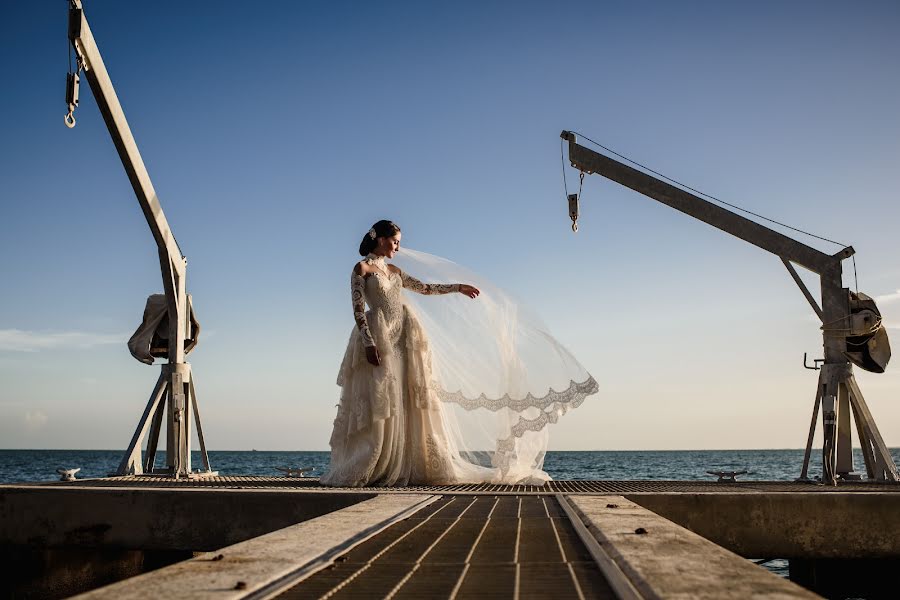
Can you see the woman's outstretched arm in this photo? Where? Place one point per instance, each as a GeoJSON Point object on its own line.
{"type": "Point", "coordinates": [430, 289]}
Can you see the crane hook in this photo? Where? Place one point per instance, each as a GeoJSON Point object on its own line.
{"type": "Point", "coordinates": [573, 211]}
{"type": "Point", "coordinates": [72, 82]}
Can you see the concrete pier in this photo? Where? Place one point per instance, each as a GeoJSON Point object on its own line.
{"type": "Point", "coordinates": [256, 537]}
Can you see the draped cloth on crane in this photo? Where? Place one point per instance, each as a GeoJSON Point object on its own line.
{"type": "Point", "coordinates": [867, 341]}
{"type": "Point", "coordinates": [150, 339]}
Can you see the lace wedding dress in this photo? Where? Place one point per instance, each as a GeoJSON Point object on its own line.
{"type": "Point", "coordinates": [471, 404]}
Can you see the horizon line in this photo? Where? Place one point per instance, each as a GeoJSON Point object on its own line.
{"type": "Point", "coordinates": [262, 450]}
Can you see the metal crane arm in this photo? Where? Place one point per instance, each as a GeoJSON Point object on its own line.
{"type": "Point", "coordinates": [89, 57]}
{"type": "Point", "coordinates": [761, 236]}
{"type": "Point", "coordinates": [172, 261]}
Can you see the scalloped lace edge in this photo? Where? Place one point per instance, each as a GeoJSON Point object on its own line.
{"type": "Point", "coordinates": [575, 392]}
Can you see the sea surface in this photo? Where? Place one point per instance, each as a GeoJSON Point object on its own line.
{"type": "Point", "coordinates": [761, 465]}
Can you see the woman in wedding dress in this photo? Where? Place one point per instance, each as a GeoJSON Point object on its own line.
{"type": "Point", "coordinates": [457, 405]}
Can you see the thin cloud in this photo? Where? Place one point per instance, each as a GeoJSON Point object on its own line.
{"type": "Point", "coordinates": [885, 298]}
{"type": "Point", "coordinates": [35, 420]}
{"type": "Point", "coordinates": [18, 340]}
{"type": "Point", "coordinates": [890, 320]}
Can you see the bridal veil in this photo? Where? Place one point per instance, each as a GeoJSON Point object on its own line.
{"type": "Point", "coordinates": [501, 377]}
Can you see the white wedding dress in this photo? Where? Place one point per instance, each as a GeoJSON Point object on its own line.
{"type": "Point", "coordinates": [424, 417]}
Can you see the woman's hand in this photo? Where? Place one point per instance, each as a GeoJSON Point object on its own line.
{"type": "Point", "coordinates": [469, 290]}
{"type": "Point", "coordinates": [372, 356]}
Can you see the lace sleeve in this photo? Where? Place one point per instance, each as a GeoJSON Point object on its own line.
{"type": "Point", "coordinates": [428, 289]}
{"type": "Point", "coordinates": [357, 285]}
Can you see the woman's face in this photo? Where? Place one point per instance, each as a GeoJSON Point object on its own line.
{"type": "Point", "coordinates": [388, 246]}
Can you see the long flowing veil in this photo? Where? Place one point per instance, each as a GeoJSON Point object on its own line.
{"type": "Point", "coordinates": [501, 375]}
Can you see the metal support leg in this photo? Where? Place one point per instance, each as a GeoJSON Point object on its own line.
{"type": "Point", "coordinates": [178, 444]}
{"type": "Point", "coordinates": [804, 473]}
{"type": "Point", "coordinates": [829, 424]}
{"type": "Point", "coordinates": [132, 459]}
{"type": "Point", "coordinates": [171, 436]}
{"type": "Point", "coordinates": [840, 399]}
{"type": "Point", "coordinates": [884, 466]}
{"type": "Point", "coordinates": [864, 442]}
{"type": "Point", "coordinates": [153, 441]}
{"type": "Point", "coordinates": [844, 448]}
{"type": "Point", "coordinates": [203, 454]}
{"type": "Point", "coordinates": [186, 422]}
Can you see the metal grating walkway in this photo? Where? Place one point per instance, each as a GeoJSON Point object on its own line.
{"type": "Point", "coordinates": [560, 486]}
{"type": "Point", "coordinates": [466, 547]}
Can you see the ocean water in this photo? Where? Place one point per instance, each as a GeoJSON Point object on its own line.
{"type": "Point", "coordinates": [762, 465]}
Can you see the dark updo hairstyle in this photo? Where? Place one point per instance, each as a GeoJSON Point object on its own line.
{"type": "Point", "coordinates": [383, 228]}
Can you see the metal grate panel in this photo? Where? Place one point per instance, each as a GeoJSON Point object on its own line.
{"type": "Point", "coordinates": [562, 486]}
{"type": "Point", "coordinates": [466, 547]}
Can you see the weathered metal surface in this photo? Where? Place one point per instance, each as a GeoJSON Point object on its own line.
{"type": "Point", "coordinates": [467, 547]}
{"type": "Point", "coordinates": [311, 484]}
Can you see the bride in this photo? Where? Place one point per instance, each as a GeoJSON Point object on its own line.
{"type": "Point", "coordinates": [468, 403]}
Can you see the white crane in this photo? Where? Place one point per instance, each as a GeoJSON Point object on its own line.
{"type": "Point", "coordinates": [175, 387]}
{"type": "Point", "coordinates": [851, 324]}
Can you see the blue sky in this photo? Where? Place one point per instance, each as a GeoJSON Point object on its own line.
{"type": "Point", "coordinates": [277, 133]}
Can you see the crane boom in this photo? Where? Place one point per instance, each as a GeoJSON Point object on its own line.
{"type": "Point", "coordinates": [101, 85]}
{"type": "Point", "coordinates": [589, 161]}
